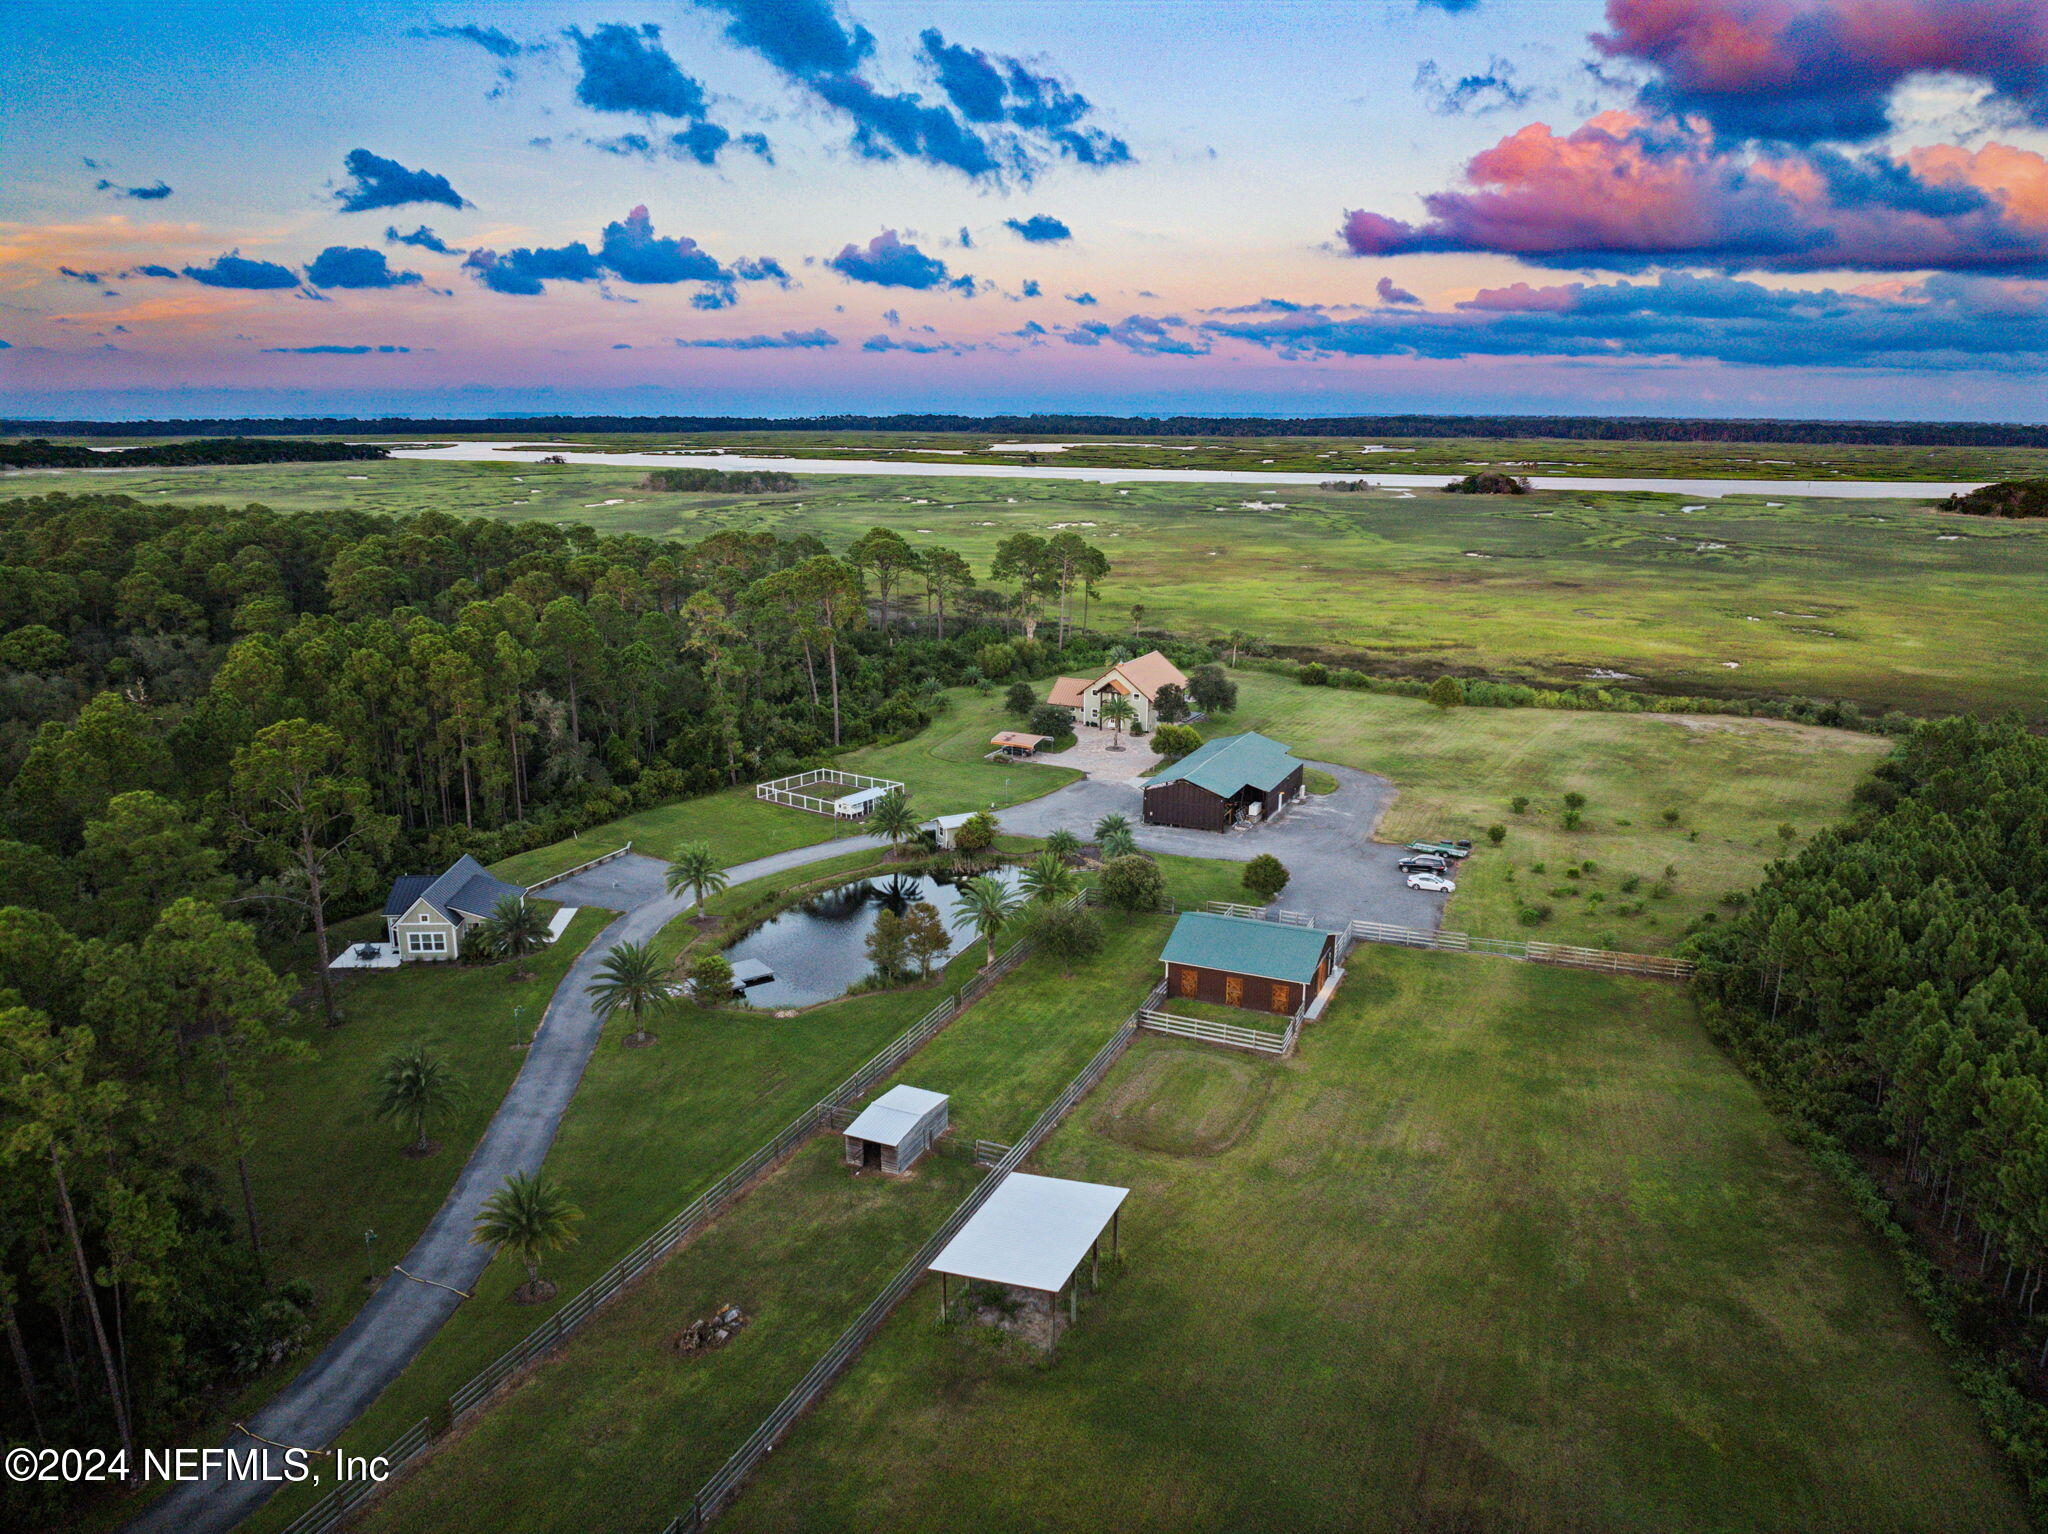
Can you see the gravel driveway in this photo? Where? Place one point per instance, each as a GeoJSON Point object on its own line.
{"type": "Point", "coordinates": [1340, 873]}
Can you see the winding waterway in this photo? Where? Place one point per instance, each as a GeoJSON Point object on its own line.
{"type": "Point", "coordinates": [1839, 489]}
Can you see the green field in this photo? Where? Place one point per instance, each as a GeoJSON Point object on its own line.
{"type": "Point", "coordinates": [1732, 782]}
{"type": "Point", "coordinates": [1503, 1248]}
{"type": "Point", "coordinates": [632, 1428]}
{"type": "Point", "coordinates": [942, 769]}
{"type": "Point", "coordinates": [1885, 602]}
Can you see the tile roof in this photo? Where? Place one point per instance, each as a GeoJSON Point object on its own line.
{"type": "Point", "coordinates": [1231, 762]}
{"type": "Point", "coordinates": [1245, 946]}
{"type": "Point", "coordinates": [1067, 691]}
{"type": "Point", "coordinates": [1152, 671]}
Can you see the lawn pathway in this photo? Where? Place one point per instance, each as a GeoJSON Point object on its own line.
{"type": "Point", "coordinates": [403, 1315]}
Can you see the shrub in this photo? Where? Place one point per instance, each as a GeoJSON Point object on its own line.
{"type": "Point", "coordinates": [1051, 719]}
{"type": "Point", "coordinates": [1575, 800]}
{"type": "Point", "coordinates": [1265, 876]}
{"type": "Point", "coordinates": [1314, 674]}
{"type": "Point", "coordinates": [1671, 817]}
{"type": "Point", "coordinates": [1788, 833]}
{"type": "Point", "coordinates": [996, 661]}
{"type": "Point", "coordinates": [1068, 933]}
{"type": "Point", "coordinates": [1021, 698]}
{"type": "Point", "coordinates": [1631, 884]}
{"type": "Point", "coordinates": [1133, 883]}
{"type": "Point", "coordinates": [710, 980]}
{"type": "Point", "coordinates": [1447, 692]}
{"type": "Point", "coordinates": [1533, 915]}
{"type": "Point", "coordinates": [1496, 834]}
{"type": "Point", "coordinates": [976, 834]}
{"type": "Point", "coordinates": [1573, 820]}
{"type": "Point", "coordinates": [1518, 804]}
{"type": "Point", "coordinates": [1175, 740]}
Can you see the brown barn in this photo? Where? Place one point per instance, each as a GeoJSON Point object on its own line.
{"type": "Point", "coordinates": [1224, 781]}
{"type": "Point", "coordinates": [1243, 962]}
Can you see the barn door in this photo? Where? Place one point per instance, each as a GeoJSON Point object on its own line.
{"type": "Point", "coordinates": [1190, 981]}
{"type": "Point", "coordinates": [1282, 1000]}
{"type": "Point", "coordinates": [1233, 990]}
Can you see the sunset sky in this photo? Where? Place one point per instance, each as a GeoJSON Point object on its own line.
{"type": "Point", "coordinates": [1719, 207]}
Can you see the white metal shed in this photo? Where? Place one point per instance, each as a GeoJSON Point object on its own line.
{"type": "Point", "coordinates": [856, 805]}
{"type": "Point", "coordinates": [894, 1130]}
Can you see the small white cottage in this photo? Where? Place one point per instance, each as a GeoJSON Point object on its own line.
{"type": "Point", "coordinates": [427, 914]}
{"type": "Point", "coordinates": [895, 1129]}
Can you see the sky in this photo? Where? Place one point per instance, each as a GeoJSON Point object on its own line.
{"type": "Point", "coordinates": [1794, 208]}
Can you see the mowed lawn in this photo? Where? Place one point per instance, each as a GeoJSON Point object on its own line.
{"type": "Point", "coordinates": [1504, 1248]}
{"type": "Point", "coordinates": [1887, 602]}
{"type": "Point", "coordinates": [1731, 783]}
{"type": "Point", "coordinates": [942, 769]}
{"type": "Point", "coordinates": [616, 1432]}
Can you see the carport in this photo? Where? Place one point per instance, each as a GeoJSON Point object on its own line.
{"type": "Point", "coordinates": [1032, 1235]}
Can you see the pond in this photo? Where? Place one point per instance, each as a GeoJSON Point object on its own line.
{"type": "Point", "coordinates": [818, 949]}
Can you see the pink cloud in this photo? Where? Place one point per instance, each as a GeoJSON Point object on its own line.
{"type": "Point", "coordinates": [1623, 192]}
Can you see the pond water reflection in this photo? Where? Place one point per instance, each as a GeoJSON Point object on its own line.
{"type": "Point", "coordinates": [819, 948]}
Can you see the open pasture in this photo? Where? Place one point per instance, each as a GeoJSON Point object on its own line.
{"type": "Point", "coordinates": [1885, 602]}
{"type": "Point", "coordinates": [1502, 1250]}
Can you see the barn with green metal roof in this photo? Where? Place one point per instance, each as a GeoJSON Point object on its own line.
{"type": "Point", "coordinates": [1224, 782]}
{"type": "Point", "coordinates": [1244, 962]}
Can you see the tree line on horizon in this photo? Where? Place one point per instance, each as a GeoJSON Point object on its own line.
{"type": "Point", "coordinates": [1589, 428]}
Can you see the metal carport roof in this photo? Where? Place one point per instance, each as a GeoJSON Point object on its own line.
{"type": "Point", "coordinates": [1032, 1233]}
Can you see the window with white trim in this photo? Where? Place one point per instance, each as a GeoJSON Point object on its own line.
{"type": "Point", "coordinates": [426, 942]}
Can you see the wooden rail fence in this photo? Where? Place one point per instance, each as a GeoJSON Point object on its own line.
{"type": "Point", "coordinates": [1231, 1034]}
{"type": "Point", "coordinates": [570, 873]}
{"type": "Point", "coordinates": [1658, 966]}
{"type": "Point", "coordinates": [834, 1110]}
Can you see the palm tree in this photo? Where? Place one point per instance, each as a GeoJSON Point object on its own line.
{"type": "Point", "coordinates": [696, 870]}
{"type": "Point", "coordinates": [893, 817]}
{"type": "Point", "coordinates": [1063, 842]}
{"type": "Point", "coordinates": [413, 1086]}
{"type": "Point", "coordinates": [985, 904]}
{"type": "Point", "coordinates": [1118, 712]}
{"type": "Point", "coordinates": [1118, 843]}
{"type": "Point", "coordinates": [1109, 825]}
{"type": "Point", "coordinates": [515, 929]}
{"type": "Point", "coordinates": [1048, 878]}
{"type": "Point", "coordinates": [633, 977]}
{"type": "Point", "coordinates": [529, 1217]}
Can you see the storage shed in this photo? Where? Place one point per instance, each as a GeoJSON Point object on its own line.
{"type": "Point", "coordinates": [859, 804]}
{"type": "Point", "coordinates": [1243, 962]}
{"type": "Point", "coordinates": [1229, 779]}
{"type": "Point", "coordinates": [895, 1129]}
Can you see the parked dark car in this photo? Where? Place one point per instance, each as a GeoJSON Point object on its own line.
{"type": "Point", "coordinates": [1423, 863]}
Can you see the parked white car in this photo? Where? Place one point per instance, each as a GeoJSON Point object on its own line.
{"type": "Point", "coordinates": [1436, 884]}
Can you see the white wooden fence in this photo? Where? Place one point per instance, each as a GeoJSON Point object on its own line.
{"type": "Point", "coordinates": [1658, 966]}
{"type": "Point", "coordinates": [1231, 1034]}
{"type": "Point", "coordinates": [789, 790]}
{"type": "Point", "coordinates": [1259, 913]}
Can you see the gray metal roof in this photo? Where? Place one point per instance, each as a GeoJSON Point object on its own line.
{"type": "Point", "coordinates": [1032, 1232]}
{"type": "Point", "coordinates": [1232, 762]}
{"type": "Point", "coordinates": [1246, 946]}
{"type": "Point", "coordinates": [890, 1118]}
{"type": "Point", "coordinates": [465, 888]}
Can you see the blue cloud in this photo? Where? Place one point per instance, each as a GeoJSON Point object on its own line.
{"type": "Point", "coordinates": [813, 48]}
{"type": "Point", "coordinates": [790, 340]}
{"type": "Point", "coordinates": [92, 278]}
{"type": "Point", "coordinates": [423, 237]}
{"type": "Point", "coordinates": [761, 269]}
{"type": "Point", "coordinates": [336, 351]}
{"type": "Point", "coordinates": [355, 266]}
{"type": "Point", "coordinates": [1473, 95]}
{"type": "Point", "coordinates": [1040, 229]}
{"type": "Point", "coordinates": [1163, 336]}
{"type": "Point", "coordinates": [625, 69]}
{"type": "Point", "coordinates": [522, 272]}
{"type": "Point", "coordinates": [919, 348]}
{"type": "Point", "coordinates": [803, 38]}
{"type": "Point", "coordinates": [1030, 289]}
{"type": "Point", "coordinates": [150, 271]}
{"type": "Point", "coordinates": [382, 183]}
{"type": "Point", "coordinates": [1453, 6]}
{"type": "Point", "coordinates": [889, 262]}
{"type": "Point", "coordinates": [1085, 300]}
{"type": "Point", "coordinates": [1390, 294]}
{"type": "Point", "coordinates": [490, 39]}
{"type": "Point", "coordinates": [714, 298]}
{"type": "Point", "coordinates": [1946, 323]}
{"type": "Point", "coordinates": [996, 89]}
{"type": "Point", "coordinates": [234, 270]}
{"type": "Point", "coordinates": [155, 192]}
{"type": "Point", "coordinates": [636, 254]}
